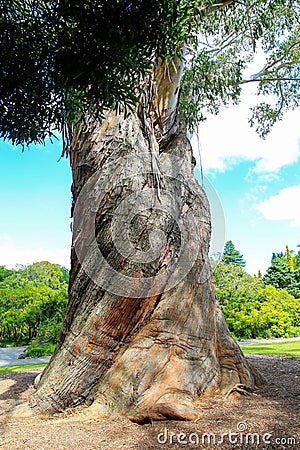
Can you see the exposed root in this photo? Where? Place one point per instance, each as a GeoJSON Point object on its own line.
{"type": "Point", "coordinates": [165, 411]}
{"type": "Point", "coordinates": [240, 389]}
{"type": "Point", "coordinates": [21, 411]}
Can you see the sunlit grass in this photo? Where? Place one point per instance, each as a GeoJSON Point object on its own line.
{"type": "Point", "coordinates": [21, 368]}
{"type": "Point", "coordinates": [290, 348]}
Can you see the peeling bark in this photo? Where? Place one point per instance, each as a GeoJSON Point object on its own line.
{"type": "Point", "coordinates": [149, 358]}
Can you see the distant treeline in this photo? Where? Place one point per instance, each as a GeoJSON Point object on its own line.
{"type": "Point", "coordinates": [33, 300]}
{"type": "Point", "coordinates": [260, 306]}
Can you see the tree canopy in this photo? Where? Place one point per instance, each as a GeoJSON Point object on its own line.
{"type": "Point", "coordinates": [62, 59]}
{"type": "Point", "coordinates": [284, 272]}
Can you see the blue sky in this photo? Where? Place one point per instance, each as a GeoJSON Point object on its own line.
{"type": "Point", "coordinates": [257, 182]}
{"type": "Point", "coordinates": [35, 202]}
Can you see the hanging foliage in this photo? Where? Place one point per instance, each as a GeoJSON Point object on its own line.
{"type": "Point", "coordinates": [62, 59]}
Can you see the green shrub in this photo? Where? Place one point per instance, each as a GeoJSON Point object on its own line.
{"type": "Point", "coordinates": [271, 313]}
{"type": "Point", "coordinates": [36, 350]}
{"type": "Point", "coordinates": [253, 310]}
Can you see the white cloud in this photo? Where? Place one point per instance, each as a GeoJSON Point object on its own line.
{"type": "Point", "coordinates": [227, 139]}
{"type": "Point", "coordinates": [283, 206]}
{"type": "Point", "coordinates": [12, 254]}
{"type": "Point", "coordinates": [265, 177]}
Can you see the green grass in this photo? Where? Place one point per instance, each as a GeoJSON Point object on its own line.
{"type": "Point", "coordinates": [21, 368]}
{"type": "Point", "coordinates": [290, 348]}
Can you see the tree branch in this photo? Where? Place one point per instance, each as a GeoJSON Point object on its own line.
{"type": "Point", "coordinates": [270, 65]}
{"type": "Point", "coordinates": [258, 80]}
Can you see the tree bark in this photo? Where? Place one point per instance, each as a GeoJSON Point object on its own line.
{"type": "Point", "coordinates": [143, 332]}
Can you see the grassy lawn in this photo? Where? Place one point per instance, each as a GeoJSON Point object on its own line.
{"type": "Point", "coordinates": [21, 368]}
{"type": "Point", "coordinates": [290, 348]}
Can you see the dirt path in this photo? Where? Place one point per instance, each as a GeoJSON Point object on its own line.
{"type": "Point", "coordinates": [268, 420]}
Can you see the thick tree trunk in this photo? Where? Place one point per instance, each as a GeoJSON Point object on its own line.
{"type": "Point", "coordinates": [143, 332]}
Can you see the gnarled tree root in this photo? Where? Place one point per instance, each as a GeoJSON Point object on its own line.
{"type": "Point", "coordinates": [165, 411]}
{"type": "Point", "coordinates": [241, 389]}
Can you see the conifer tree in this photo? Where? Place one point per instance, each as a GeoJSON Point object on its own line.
{"type": "Point", "coordinates": [289, 258]}
{"type": "Point", "coordinates": [232, 256]}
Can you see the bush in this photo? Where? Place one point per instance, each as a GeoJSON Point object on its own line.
{"type": "Point", "coordinates": [36, 349]}
{"type": "Point", "coordinates": [271, 313]}
{"type": "Point", "coordinates": [253, 310]}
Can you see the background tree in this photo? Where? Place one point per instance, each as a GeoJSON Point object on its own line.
{"type": "Point", "coordinates": [41, 273]}
{"type": "Point", "coordinates": [33, 300]}
{"type": "Point", "coordinates": [4, 273]}
{"type": "Point", "coordinates": [234, 284]}
{"type": "Point", "coordinates": [289, 258]}
{"type": "Point", "coordinates": [232, 256]}
{"type": "Point", "coordinates": [119, 77]}
{"type": "Point", "coordinates": [281, 276]}
{"type": "Point", "coordinates": [297, 265]}
{"type": "Point", "coordinates": [253, 310]}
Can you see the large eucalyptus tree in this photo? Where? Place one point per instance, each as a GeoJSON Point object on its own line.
{"type": "Point", "coordinates": [143, 332]}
